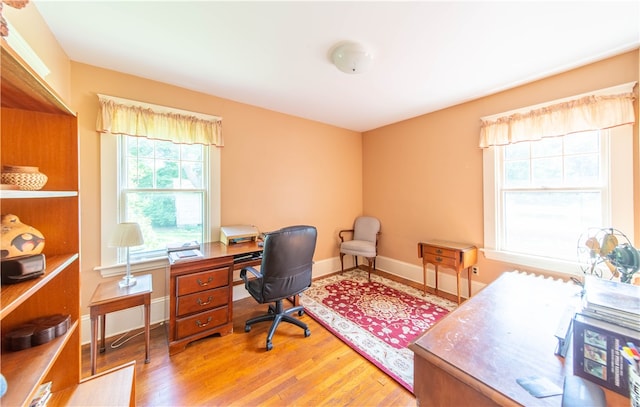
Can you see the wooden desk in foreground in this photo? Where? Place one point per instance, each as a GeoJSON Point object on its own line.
{"type": "Point", "coordinates": [474, 355]}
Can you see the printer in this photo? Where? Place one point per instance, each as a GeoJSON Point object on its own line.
{"type": "Point", "coordinates": [238, 234]}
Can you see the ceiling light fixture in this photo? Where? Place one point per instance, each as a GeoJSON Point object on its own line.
{"type": "Point", "coordinates": [350, 57]}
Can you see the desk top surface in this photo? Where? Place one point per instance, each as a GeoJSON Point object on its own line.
{"type": "Point", "coordinates": [110, 290]}
{"type": "Point", "coordinates": [448, 245]}
{"type": "Point", "coordinates": [505, 332]}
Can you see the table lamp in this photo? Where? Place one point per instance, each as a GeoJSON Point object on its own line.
{"type": "Point", "coordinates": [127, 234]}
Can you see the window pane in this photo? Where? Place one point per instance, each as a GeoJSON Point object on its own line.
{"type": "Point", "coordinates": [582, 169]}
{"type": "Point", "coordinates": [191, 152]}
{"type": "Point", "coordinates": [165, 217]}
{"type": "Point", "coordinates": [585, 142]}
{"type": "Point", "coordinates": [167, 150]}
{"type": "Point", "coordinates": [191, 175]}
{"type": "Point", "coordinates": [167, 175]}
{"type": "Point", "coordinates": [516, 151]}
{"type": "Point", "coordinates": [547, 147]}
{"type": "Point", "coordinates": [546, 172]}
{"type": "Point", "coordinates": [548, 224]}
{"type": "Point", "coordinates": [139, 173]}
{"type": "Point", "coordinates": [516, 173]}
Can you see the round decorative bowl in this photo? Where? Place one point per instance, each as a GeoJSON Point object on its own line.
{"type": "Point", "coordinates": [25, 178]}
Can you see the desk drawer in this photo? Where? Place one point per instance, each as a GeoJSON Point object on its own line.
{"type": "Point", "coordinates": [201, 322]}
{"type": "Point", "coordinates": [202, 301]}
{"type": "Point", "coordinates": [441, 252]}
{"type": "Point", "coordinates": [441, 260]}
{"type": "Point", "coordinates": [204, 280]}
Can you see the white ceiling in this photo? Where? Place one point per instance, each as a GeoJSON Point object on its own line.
{"type": "Point", "coordinates": [427, 55]}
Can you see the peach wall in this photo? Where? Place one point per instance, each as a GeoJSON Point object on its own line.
{"type": "Point", "coordinates": [277, 170]}
{"type": "Point", "coordinates": [423, 176]}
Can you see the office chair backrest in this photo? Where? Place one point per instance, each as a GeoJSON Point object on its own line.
{"type": "Point", "coordinates": [287, 260]}
{"type": "Point", "coordinates": [366, 228]}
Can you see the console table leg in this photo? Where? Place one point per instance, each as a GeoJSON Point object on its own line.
{"type": "Point", "coordinates": [424, 278]}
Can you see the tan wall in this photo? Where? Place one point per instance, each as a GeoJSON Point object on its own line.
{"type": "Point", "coordinates": [277, 170]}
{"type": "Point", "coordinates": [423, 177]}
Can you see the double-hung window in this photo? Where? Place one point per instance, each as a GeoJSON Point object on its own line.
{"type": "Point", "coordinates": [164, 188]}
{"type": "Point", "coordinates": [160, 167]}
{"type": "Point", "coordinates": [541, 192]}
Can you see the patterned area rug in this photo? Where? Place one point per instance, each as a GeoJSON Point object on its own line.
{"type": "Point", "coordinates": [378, 319]}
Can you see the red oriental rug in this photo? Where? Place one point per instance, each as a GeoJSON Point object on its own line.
{"type": "Point", "coordinates": [377, 318]}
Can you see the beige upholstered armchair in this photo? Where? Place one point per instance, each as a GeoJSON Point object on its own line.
{"type": "Point", "coordinates": [364, 242]}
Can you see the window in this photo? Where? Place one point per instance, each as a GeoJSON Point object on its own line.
{"type": "Point", "coordinates": [160, 167]}
{"type": "Point", "coordinates": [541, 195]}
{"type": "Point", "coordinates": [163, 187]}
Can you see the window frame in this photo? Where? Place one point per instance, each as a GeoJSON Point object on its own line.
{"type": "Point", "coordinates": [110, 179]}
{"type": "Point", "coordinates": [619, 200]}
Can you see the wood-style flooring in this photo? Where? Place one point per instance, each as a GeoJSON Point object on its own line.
{"type": "Point", "coordinates": [235, 370]}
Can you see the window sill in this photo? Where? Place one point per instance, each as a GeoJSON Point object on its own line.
{"type": "Point", "coordinates": [136, 267]}
{"type": "Point", "coordinates": [540, 263]}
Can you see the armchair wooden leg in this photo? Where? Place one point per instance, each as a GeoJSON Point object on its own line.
{"type": "Point", "coordinates": [342, 262]}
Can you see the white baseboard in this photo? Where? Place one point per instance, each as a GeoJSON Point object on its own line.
{"type": "Point", "coordinates": [130, 319]}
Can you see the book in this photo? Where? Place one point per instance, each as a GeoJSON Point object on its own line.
{"type": "Point", "coordinates": [612, 296]}
{"type": "Point", "coordinates": [174, 247]}
{"type": "Point", "coordinates": [596, 355]}
{"type": "Point", "coordinates": [184, 255]}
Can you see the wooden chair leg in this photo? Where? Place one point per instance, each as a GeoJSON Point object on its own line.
{"type": "Point", "coordinates": [342, 261]}
{"type": "Point", "coordinates": [370, 262]}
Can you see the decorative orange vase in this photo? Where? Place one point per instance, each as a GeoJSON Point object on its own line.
{"type": "Point", "coordinates": [19, 239]}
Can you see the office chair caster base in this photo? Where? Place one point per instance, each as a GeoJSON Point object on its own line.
{"type": "Point", "coordinates": [269, 345]}
{"type": "Point", "coordinates": [247, 328]}
{"type": "Point", "coordinates": [301, 313]}
{"type": "Point", "coordinates": [307, 333]}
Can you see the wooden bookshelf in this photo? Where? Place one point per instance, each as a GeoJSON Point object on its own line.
{"type": "Point", "coordinates": [39, 129]}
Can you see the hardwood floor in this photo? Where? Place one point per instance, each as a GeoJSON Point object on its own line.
{"type": "Point", "coordinates": [235, 370]}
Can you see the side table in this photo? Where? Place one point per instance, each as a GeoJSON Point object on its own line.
{"type": "Point", "coordinates": [109, 297]}
{"type": "Point", "coordinates": [457, 256]}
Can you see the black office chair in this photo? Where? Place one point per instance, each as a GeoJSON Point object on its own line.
{"type": "Point", "coordinates": [285, 271]}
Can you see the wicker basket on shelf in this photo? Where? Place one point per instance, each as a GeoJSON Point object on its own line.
{"type": "Point", "coordinates": [25, 178]}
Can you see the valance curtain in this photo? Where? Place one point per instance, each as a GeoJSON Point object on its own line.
{"type": "Point", "coordinates": [601, 109]}
{"type": "Point", "coordinates": [122, 116]}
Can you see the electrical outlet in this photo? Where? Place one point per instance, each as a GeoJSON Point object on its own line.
{"type": "Point", "coordinates": [475, 270]}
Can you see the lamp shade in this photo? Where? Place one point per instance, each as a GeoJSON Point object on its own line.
{"type": "Point", "coordinates": [126, 234]}
{"type": "Point", "coordinates": [352, 58]}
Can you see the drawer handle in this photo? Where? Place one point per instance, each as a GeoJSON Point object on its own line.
{"type": "Point", "coordinates": [202, 304]}
{"type": "Point", "coordinates": [201, 284]}
{"type": "Point", "coordinates": [201, 325]}
{"type": "Point", "coordinates": [438, 259]}
{"type": "Point", "coordinates": [439, 251]}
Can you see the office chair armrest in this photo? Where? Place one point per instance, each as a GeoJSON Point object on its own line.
{"type": "Point", "coordinates": [243, 273]}
{"type": "Point", "coordinates": [344, 231]}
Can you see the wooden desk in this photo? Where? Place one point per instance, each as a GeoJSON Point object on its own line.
{"type": "Point", "coordinates": [110, 297]}
{"type": "Point", "coordinates": [201, 292]}
{"type": "Point", "coordinates": [457, 256]}
{"type": "Point", "coordinates": [473, 356]}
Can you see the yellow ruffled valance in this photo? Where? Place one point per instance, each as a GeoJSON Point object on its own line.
{"type": "Point", "coordinates": [600, 110]}
{"type": "Point", "coordinates": [121, 116]}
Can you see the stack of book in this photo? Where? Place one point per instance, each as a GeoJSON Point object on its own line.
{"type": "Point", "coordinates": [608, 320]}
{"type": "Point", "coordinates": [183, 251]}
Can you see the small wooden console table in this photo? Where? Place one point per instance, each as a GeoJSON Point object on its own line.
{"type": "Point", "coordinates": [473, 356]}
{"type": "Point", "coordinates": [458, 256]}
{"type": "Point", "coordinates": [109, 297]}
